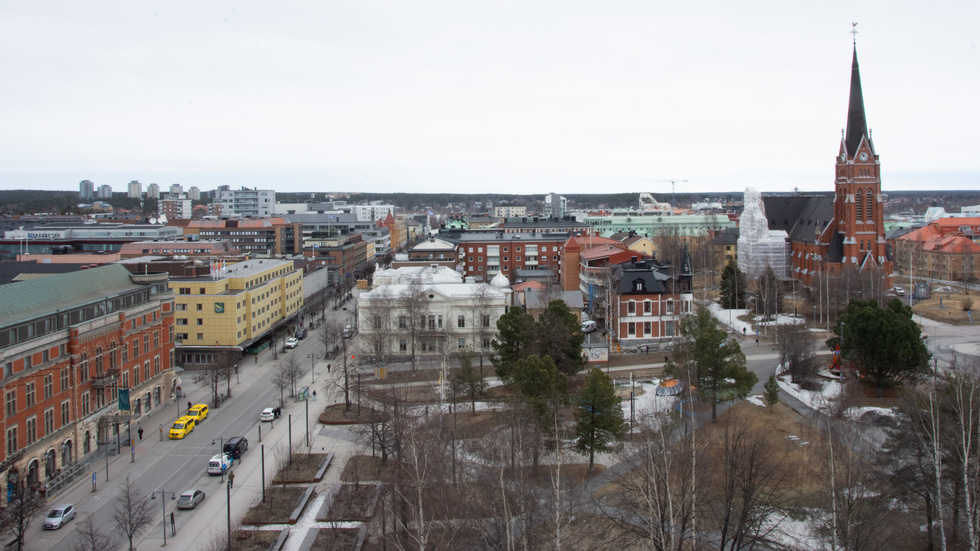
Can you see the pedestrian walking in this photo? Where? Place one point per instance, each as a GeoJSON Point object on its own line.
{"type": "Point", "coordinates": [140, 432]}
{"type": "Point", "coordinates": [231, 480]}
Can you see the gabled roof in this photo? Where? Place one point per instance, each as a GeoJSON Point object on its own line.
{"type": "Point", "coordinates": [802, 217]}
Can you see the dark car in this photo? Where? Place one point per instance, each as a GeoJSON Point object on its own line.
{"type": "Point", "coordinates": [301, 334]}
{"type": "Point", "coordinates": [236, 446]}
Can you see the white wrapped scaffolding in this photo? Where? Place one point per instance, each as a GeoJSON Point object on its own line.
{"type": "Point", "coordinates": [759, 247]}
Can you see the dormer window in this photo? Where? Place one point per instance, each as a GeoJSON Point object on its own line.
{"type": "Point", "coordinates": [638, 285]}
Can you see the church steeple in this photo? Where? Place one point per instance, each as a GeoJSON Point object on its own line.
{"type": "Point", "coordinates": [857, 123]}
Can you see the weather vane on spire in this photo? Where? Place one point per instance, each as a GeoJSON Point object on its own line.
{"type": "Point", "coordinates": [854, 32]}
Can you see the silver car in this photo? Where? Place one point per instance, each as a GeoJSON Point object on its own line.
{"type": "Point", "coordinates": [189, 499]}
{"type": "Point", "coordinates": [58, 516]}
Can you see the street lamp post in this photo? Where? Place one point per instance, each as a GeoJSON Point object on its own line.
{"type": "Point", "coordinates": [163, 507]}
{"type": "Point", "coordinates": [221, 451]}
{"type": "Point", "coordinates": [228, 491]}
{"type": "Point", "coordinates": [313, 358]}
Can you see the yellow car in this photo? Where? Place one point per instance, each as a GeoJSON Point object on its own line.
{"type": "Point", "coordinates": [198, 412]}
{"type": "Point", "coordinates": [182, 427]}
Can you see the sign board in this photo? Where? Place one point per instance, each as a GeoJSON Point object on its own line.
{"type": "Point", "coordinates": [124, 399]}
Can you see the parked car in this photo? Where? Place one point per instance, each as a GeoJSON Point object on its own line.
{"type": "Point", "coordinates": [235, 446]}
{"type": "Point", "coordinates": [268, 414]}
{"type": "Point", "coordinates": [588, 326]}
{"type": "Point", "coordinates": [291, 342]}
{"type": "Point", "coordinates": [198, 412]}
{"type": "Point", "coordinates": [182, 427]}
{"type": "Point", "coordinates": [190, 498]}
{"type": "Point", "coordinates": [58, 516]}
{"type": "Point", "coordinates": [899, 291]}
{"type": "Point", "coordinates": [219, 463]}
{"type": "Point", "coordinates": [348, 332]}
{"type": "Point", "coordinates": [301, 334]}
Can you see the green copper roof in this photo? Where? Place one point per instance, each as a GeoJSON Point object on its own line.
{"type": "Point", "coordinates": [37, 297]}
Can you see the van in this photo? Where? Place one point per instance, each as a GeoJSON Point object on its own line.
{"type": "Point", "coordinates": [182, 427]}
{"type": "Point", "coordinates": [198, 412]}
{"type": "Point", "coordinates": [588, 326]}
{"type": "Point", "coordinates": [219, 464]}
{"type": "Point", "coordinates": [235, 446]}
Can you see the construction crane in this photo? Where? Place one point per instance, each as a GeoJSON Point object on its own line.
{"type": "Point", "coordinates": [673, 188]}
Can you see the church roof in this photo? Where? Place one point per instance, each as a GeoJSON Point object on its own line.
{"type": "Point", "coordinates": [857, 123]}
{"type": "Point", "coordinates": [802, 217]}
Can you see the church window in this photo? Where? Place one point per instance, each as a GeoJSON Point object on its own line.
{"type": "Point", "coordinates": [868, 208]}
{"type": "Point", "coordinates": [857, 204]}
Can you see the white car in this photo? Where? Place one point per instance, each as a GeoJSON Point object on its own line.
{"type": "Point", "coordinates": [219, 463]}
{"type": "Point", "coordinates": [268, 414]}
{"type": "Point", "coordinates": [291, 342]}
{"type": "Point", "coordinates": [348, 332]}
{"type": "Point", "coordinates": [58, 516]}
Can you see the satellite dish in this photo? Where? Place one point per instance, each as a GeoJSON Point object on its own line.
{"type": "Point", "coordinates": [163, 218]}
{"type": "Point", "coordinates": [153, 220]}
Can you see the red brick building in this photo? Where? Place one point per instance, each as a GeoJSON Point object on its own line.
{"type": "Point", "coordinates": [484, 254]}
{"type": "Point", "coordinates": [70, 345]}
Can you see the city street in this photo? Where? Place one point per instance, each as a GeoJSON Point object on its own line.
{"type": "Point", "coordinates": [172, 466]}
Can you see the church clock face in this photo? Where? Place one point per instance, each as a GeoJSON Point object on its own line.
{"type": "Point", "coordinates": [863, 156]}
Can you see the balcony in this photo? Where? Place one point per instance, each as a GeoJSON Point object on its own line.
{"type": "Point", "coordinates": [107, 378]}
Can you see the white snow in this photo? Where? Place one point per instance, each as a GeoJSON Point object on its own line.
{"type": "Point", "coordinates": [648, 405]}
{"type": "Point", "coordinates": [757, 400]}
{"type": "Point", "coordinates": [820, 400]}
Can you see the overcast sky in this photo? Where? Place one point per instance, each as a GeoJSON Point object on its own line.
{"type": "Point", "coordinates": [482, 96]}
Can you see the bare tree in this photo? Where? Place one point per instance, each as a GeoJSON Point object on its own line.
{"type": "Point", "coordinates": [964, 401]}
{"type": "Point", "coordinates": [656, 504]}
{"type": "Point", "coordinates": [795, 343]}
{"type": "Point", "coordinates": [132, 510]}
{"type": "Point", "coordinates": [212, 378]}
{"type": "Point", "coordinates": [281, 380]}
{"type": "Point", "coordinates": [751, 498]}
{"type": "Point", "coordinates": [23, 503]}
{"type": "Point", "coordinates": [329, 334]}
{"type": "Point", "coordinates": [415, 304]}
{"type": "Point", "coordinates": [484, 326]}
{"type": "Point", "coordinates": [89, 537]}
{"type": "Point", "coordinates": [293, 372]}
{"type": "Point", "coordinates": [378, 310]}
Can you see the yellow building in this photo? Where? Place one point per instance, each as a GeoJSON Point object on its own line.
{"type": "Point", "coordinates": [233, 308]}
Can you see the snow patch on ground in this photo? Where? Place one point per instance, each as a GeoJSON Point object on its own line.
{"type": "Point", "coordinates": [856, 413]}
{"type": "Point", "coordinates": [820, 400]}
{"type": "Point", "coordinates": [795, 535]}
{"type": "Point", "coordinates": [648, 406]}
{"type": "Point", "coordinates": [757, 400]}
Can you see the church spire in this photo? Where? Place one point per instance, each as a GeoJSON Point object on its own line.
{"type": "Point", "coordinates": [857, 123]}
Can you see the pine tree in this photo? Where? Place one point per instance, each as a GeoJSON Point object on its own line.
{"type": "Point", "coordinates": [732, 287]}
{"type": "Point", "coordinates": [599, 417]}
{"type": "Point", "coordinates": [772, 392]}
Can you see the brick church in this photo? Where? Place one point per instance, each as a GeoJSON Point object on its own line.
{"type": "Point", "coordinates": [843, 231]}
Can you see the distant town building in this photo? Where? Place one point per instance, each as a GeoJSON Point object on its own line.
{"type": "Point", "coordinates": [372, 212]}
{"type": "Point", "coordinates": [247, 203]}
{"type": "Point", "coordinates": [508, 210]}
{"type": "Point", "coordinates": [83, 237]}
{"type": "Point", "coordinates": [652, 300]}
{"type": "Point", "coordinates": [194, 193]}
{"type": "Point", "coordinates": [555, 206]}
{"type": "Point", "coordinates": [105, 191]}
{"type": "Point", "coordinates": [176, 189]}
{"type": "Point", "coordinates": [175, 209]}
{"type": "Point", "coordinates": [194, 249]}
{"type": "Point", "coordinates": [135, 190]}
{"type": "Point", "coordinates": [265, 236]}
{"type": "Point", "coordinates": [86, 190]}
{"type": "Point", "coordinates": [153, 191]}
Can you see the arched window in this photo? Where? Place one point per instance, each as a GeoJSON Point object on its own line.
{"type": "Point", "coordinates": [112, 356]}
{"type": "Point", "coordinates": [87, 443]}
{"type": "Point", "coordinates": [98, 362]}
{"type": "Point", "coordinates": [857, 205]}
{"type": "Point", "coordinates": [84, 372]}
{"type": "Point", "coordinates": [869, 206]}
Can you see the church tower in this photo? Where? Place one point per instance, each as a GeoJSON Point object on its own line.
{"type": "Point", "coordinates": [859, 240]}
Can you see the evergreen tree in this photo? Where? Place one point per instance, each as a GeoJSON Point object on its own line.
{"type": "Point", "coordinates": [599, 417]}
{"type": "Point", "coordinates": [559, 335]}
{"type": "Point", "coordinates": [718, 362]}
{"type": "Point", "coordinates": [540, 385]}
{"type": "Point", "coordinates": [884, 344]}
{"type": "Point", "coordinates": [772, 392]}
{"type": "Point", "coordinates": [732, 287]}
{"type": "Point", "coordinates": [515, 333]}
{"type": "Point", "coordinates": [468, 379]}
